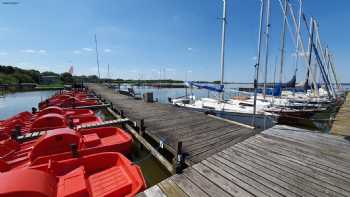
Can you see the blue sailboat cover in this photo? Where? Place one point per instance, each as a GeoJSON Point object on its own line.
{"type": "Point", "coordinates": [211, 87]}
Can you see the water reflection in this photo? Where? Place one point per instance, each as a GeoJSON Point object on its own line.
{"type": "Point", "coordinates": [14, 103]}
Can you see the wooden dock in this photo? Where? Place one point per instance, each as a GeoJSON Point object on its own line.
{"type": "Point", "coordinates": [200, 134]}
{"type": "Point", "coordinates": [341, 124]}
{"type": "Point", "coordinates": [281, 161]}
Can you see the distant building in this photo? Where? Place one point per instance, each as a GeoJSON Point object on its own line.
{"type": "Point", "coordinates": [49, 79]}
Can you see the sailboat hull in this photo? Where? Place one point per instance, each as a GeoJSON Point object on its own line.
{"type": "Point", "coordinates": [261, 121]}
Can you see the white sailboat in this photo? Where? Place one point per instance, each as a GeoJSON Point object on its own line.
{"type": "Point", "coordinates": [239, 110]}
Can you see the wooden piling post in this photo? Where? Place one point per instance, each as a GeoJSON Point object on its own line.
{"type": "Point", "coordinates": [179, 162]}
{"type": "Point", "coordinates": [142, 127]}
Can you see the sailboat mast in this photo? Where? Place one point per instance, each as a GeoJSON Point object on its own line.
{"type": "Point", "coordinates": [267, 43]}
{"type": "Point", "coordinates": [283, 39]}
{"type": "Point", "coordinates": [108, 71]}
{"type": "Point", "coordinates": [223, 37]}
{"type": "Point", "coordinates": [298, 33]}
{"type": "Point", "coordinates": [257, 65]}
{"type": "Point", "coordinates": [311, 39]}
{"type": "Point", "coordinates": [324, 58]}
{"type": "Point", "coordinates": [97, 58]}
{"type": "Point", "coordinates": [300, 40]}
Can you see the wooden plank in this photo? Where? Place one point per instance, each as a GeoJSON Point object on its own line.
{"type": "Point", "coordinates": [291, 175]}
{"type": "Point", "coordinates": [295, 168]}
{"type": "Point", "coordinates": [226, 134]}
{"type": "Point", "coordinates": [315, 141]}
{"type": "Point", "coordinates": [306, 159]}
{"type": "Point", "coordinates": [221, 181]}
{"type": "Point", "coordinates": [310, 151]}
{"type": "Point", "coordinates": [303, 187]}
{"type": "Point", "coordinates": [190, 188]}
{"type": "Point", "coordinates": [170, 189]}
{"type": "Point", "coordinates": [262, 178]}
{"type": "Point", "coordinates": [203, 154]}
{"type": "Point", "coordinates": [305, 168]}
{"type": "Point", "coordinates": [210, 188]}
{"type": "Point", "coordinates": [154, 191]}
{"type": "Point", "coordinates": [288, 187]}
{"type": "Point", "coordinates": [240, 179]}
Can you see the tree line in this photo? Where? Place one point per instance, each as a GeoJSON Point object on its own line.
{"type": "Point", "coordinates": [15, 75]}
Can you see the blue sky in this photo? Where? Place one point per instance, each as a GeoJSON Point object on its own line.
{"type": "Point", "coordinates": [138, 38]}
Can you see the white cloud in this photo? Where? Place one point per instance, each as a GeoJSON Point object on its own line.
{"type": "Point", "coordinates": [3, 53]}
{"type": "Point", "coordinates": [87, 49]}
{"type": "Point", "coordinates": [107, 50]}
{"type": "Point", "coordinates": [77, 52]}
{"type": "Point", "coordinates": [189, 49]}
{"type": "Point", "coordinates": [28, 51]}
{"type": "Point", "coordinates": [40, 51]}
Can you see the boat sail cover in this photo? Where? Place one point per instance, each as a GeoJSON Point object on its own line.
{"type": "Point", "coordinates": [211, 87]}
{"type": "Point", "coordinates": [275, 91]}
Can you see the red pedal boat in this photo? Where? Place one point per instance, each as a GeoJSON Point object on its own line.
{"type": "Point", "coordinates": [57, 144]}
{"type": "Point", "coordinates": [68, 102]}
{"type": "Point", "coordinates": [65, 112]}
{"type": "Point", "coordinates": [78, 177]}
{"type": "Point", "coordinates": [54, 121]}
{"type": "Point", "coordinates": [47, 119]}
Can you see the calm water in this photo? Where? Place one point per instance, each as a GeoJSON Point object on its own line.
{"type": "Point", "coordinates": [14, 103]}
{"type": "Point", "coordinates": [162, 94]}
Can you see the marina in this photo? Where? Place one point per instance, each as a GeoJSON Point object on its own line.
{"type": "Point", "coordinates": [185, 99]}
{"type": "Point", "coordinates": [201, 135]}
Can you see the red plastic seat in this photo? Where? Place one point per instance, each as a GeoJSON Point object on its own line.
{"type": "Point", "coordinates": [111, 182]}
{"type": "Point", "coordinates": [72, 184]}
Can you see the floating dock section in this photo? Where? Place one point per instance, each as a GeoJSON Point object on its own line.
{"type": "Point", "coordinates": [281, 161]}
{"type": "Point", "coordinates": [341, 124]}
{"type": "Point", "coordinates": [196, 134]}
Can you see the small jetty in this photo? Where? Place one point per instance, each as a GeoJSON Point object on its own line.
{"type": "Point", "coordinates": [341, 123]}
{"type": "Point", "coordinates": [281, 161]}
{"type": "Point", "coordinates": [196, 134]}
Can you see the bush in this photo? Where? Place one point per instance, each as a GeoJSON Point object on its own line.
{"type": "Point", "coordinates": [7, 79]}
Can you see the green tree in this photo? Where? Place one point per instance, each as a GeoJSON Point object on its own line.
{"type": "Point", "coordinates": [67, 78]}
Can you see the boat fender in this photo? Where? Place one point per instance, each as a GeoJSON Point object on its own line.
{"type": "Point", "coordinates": [74, 150]}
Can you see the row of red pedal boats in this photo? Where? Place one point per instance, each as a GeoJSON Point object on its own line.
{"type": "Point", "coordinates": [62, 160]}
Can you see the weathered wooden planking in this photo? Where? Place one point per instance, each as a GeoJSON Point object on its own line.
{"type": "Point", "coordinates": [201, 135]}
{"type": "Point", "coordinates": [341, 123]}
{"type": "Point", "coordinates": [273, 163]}
{"type": "Point", "coordinates": [171, 189]}
{"type": "Point", "coordinates": [297, 184]}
